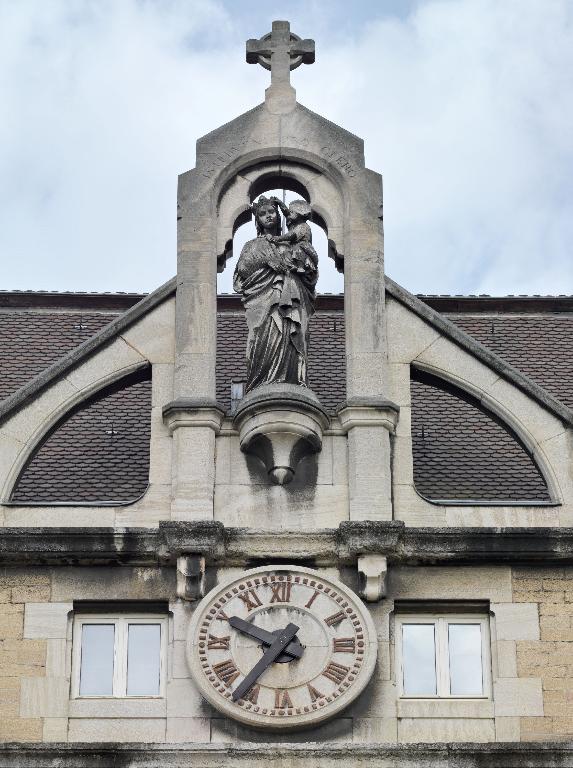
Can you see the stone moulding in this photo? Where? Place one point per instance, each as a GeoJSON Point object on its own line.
{"type": "Point", "coordinates": [242, 546]}
{"type": "Point", "coordinates": [462, 755]}
{"type": "Point", "coordinates": [190, 412]}
{"type": "Point", "coordinates": [280, 424]}
{"type": "Point", "coordinates": [368, 412]}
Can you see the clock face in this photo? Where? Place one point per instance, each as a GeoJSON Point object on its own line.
{"type": "Point", "coordinates": [281, 647]}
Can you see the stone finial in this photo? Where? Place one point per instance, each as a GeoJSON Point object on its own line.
{"type": "Point", "coordinates": [280, 51]}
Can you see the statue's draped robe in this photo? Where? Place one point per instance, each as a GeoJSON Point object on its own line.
{"type": "Point", "coordinates": [278, 307]}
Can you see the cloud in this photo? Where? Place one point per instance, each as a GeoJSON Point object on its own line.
{"type": "Point", "coordinates": [465, 107]}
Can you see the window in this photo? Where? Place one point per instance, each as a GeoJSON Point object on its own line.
{"type": "Point", "coordinates": [119, 656]}
{"type": "Point", "coordinates": [442, 656]}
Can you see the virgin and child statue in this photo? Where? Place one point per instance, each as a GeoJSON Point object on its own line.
{"type": "Point", "coordinates": [276, 276]}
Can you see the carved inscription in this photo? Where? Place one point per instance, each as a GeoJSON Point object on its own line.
{"type": "Point", "coordinates": [218, 160]}
{"type": "Point", "coordinates": [339, 158]}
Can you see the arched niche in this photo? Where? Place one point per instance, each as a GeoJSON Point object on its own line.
{"type": "Point", "coordinates": [237, 194]}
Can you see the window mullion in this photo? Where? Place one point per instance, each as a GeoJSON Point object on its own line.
{"type": "Point", "coordinates": [120, 675]}
{"type": "Point", "coordinates": [442, 657]}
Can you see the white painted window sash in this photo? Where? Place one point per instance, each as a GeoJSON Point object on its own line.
{"type": "Point", "coordinates": [442, 659]}
{"type": "Point", "coordinates": [120, 660]}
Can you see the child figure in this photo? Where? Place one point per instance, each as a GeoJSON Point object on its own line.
{"type": "Point", "coordinates": [299, 235]}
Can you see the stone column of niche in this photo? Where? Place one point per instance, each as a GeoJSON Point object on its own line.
{"type": "Point", "coordinates": [368, 423]}
{"type": "Point", "coordinates": [194, 425]}
{"type": "Point", "coordinates": [194, 417]}
{"type": "Point", "coordinates": [280, 424]}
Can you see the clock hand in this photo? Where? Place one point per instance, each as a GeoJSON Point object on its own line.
{"type": "Point", "coordinates": [275, 650]}
{"type": "Point", "coordinates": [294, 648]}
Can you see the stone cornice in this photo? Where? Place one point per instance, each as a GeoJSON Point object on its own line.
{"type": "Point", "coordinates": [240, 546]}
{"type": "Point", "coordinates": [462, 755]}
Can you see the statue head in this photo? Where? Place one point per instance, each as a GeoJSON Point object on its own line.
{"type": "Point", "coordinates": [299, 209]}
{"type": "Point", "coordinates": [267, 218]}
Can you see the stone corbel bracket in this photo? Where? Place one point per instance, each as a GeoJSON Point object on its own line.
{"type": "Point", "coordinates": [191, 577]}
{"type": "Point", "coordinates": [280, 424]}
{"type": "Point", "coordinates": [372, 571]}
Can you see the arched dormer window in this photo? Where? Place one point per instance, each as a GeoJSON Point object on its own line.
{"type": "Point", "coordinates": [98, 453]}
{"type": "Point", "coordinates": [464, 453]}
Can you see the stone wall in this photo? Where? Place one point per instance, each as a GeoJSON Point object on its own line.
{"type": "Point", "coordinates": [20, 658]}
{"type": "Point", "coordinates": [551, 657]}
{"type": "Point", "coordinates": [532, 656]}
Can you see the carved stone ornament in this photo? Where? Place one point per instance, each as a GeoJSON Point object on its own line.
{"type": "Point", "coordinates": [280, 424]}
{"type": "Point", "coordinates": [281, 648]}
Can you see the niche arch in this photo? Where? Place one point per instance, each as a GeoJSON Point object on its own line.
{"type": "Point", "coordinates": [467, 450]}
{"type": "Point", "coordinates": [241, 188]}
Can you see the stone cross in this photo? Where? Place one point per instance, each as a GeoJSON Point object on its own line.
{"type": "Point", "coordinates": [280, 51]}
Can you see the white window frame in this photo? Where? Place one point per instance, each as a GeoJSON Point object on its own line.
{"type": "Point", "coordinates": [121, 623]}
{"type": "Point", "coordinates": [440, 623]}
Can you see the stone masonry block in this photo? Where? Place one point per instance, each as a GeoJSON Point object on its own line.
{"type": "Point", "coordinates": [182, 612]}
{"type": "Point", "coordinates": [9, 697]}
{"type": "Point", "coordinates": [20, 729]}
{"type": "Point", "coordinates": [506, 658]}
{"type": "Point", "coordinates": [184, 700]}
{"type": "Point", "coordinates": [179, 667]}
{"type": "Point", "coordinates": [142, 709]}
{"type": "Point", "coordinates": [516, 621]}
{"type": "Point", "coordinates": [436, 583]}
{"type": "Point", "coordinates": [55, 729]}
{"type": "Point", "coordinates": [20, 577]}
{"type": "Point", "coordinates": [428, 730]}
{"type": "Point", "coordinates": [518, 697]}
{"type": "Point", "coordinates": [44, 697]}
{"type": "Point", "coordinates": [11, 621]}
{"type": "Point", "coordinates": [22, 658]}
{"type": "Point", "coordinates": [57, 658]}
{"type": "Point", "coordinates": [30, 594]}
{"type": "Point", "coordinates": [382, 730]}
{"type": "Point", "coordinates": [154, 335]}
{"type": "Point", "coordinates": [507, 729]}
{"type": "Point", "coordinates": [117, 729]}
{"type": "Point", "coordinates": [184, 729]}
{"type": "Point", "coordinates": [113, 584]}
{"type": "Point", "coordinates": [46, 620]}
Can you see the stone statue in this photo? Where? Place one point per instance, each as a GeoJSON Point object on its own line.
{"type": "Point", "coordinates": [276, 275]}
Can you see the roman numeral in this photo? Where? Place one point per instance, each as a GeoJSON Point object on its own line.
{"type": "Point", "coordinates": [222, 616]}
{"type": "Point", "coordinates": [314, 694]}
{"type": "Point", "coordinates": [281, 592]}
{"type": "Point", "coordinates": [226, 671]}
{"type": "Point", "coordinates": [335, 619]}
{"type": "Point", "coordinates": [312, 599]}
{"type": "Point", "coordinates": [215, 643]}
{"type": "Point", "coordinates": [282, 699]}
{"type": "Point", "coordinates": [250, 599]}
{"type": "Point", "coordinates": [343, 644]}
{"type": "Point", "coordinates": [336, 672]}
{"type": "Point", "coordinates": [253, 694]}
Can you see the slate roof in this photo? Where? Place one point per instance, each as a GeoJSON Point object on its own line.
{"type": "Point", "coordinates": [99, 454]}
{"type": "Point", "coordinates": [534, 335]}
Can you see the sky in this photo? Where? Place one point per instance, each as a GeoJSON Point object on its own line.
{"type": "Point", "coordinates": [465, 107]}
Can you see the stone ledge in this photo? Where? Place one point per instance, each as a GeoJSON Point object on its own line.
{"type": "Point", "coordinates": [241, 546]}
{"type": "Point", "coordinates": [462, 755]}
